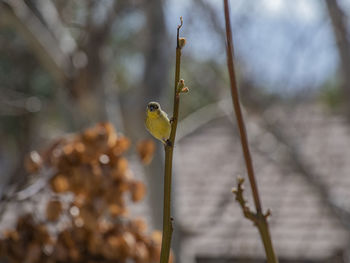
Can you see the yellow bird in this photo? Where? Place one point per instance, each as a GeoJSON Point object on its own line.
{"type": "Point", "coordinates": [157, 122]}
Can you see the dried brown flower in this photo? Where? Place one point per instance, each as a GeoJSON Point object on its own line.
{"type": "Point", "coordinates": [92, 167]}
{"type": "Point", "coordinates": [146, 150]}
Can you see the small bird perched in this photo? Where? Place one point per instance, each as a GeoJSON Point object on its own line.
{"type": "Point", "coordinates": [157, 122]}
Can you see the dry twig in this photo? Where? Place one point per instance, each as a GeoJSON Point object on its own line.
{"type": "Point", "coordinates": [254, 217]}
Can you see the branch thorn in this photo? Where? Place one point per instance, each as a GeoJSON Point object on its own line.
{"type": "Point", "coordinates": [267, 214]}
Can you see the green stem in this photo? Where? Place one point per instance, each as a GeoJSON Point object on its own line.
{"type": "Point", "coordinates": [169, 148]}
{"type": "Point", "coordinates": [167, 224]}
{"type": "Point", "coordinates": [266, 239]}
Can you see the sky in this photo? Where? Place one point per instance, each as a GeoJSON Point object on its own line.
{"type": "Point", "coordinates": [287, 44]}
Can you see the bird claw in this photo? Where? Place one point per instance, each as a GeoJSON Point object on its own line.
{"type": "Point", "coordinates": [171, 120]}
{"type": "Point", "coordinates": [168, 143]}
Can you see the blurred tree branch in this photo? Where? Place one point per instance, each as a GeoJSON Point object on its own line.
{"type": "Point", "coordinates": [53, 22]}
{"type": "Point", "coordinates": [45, 46]}
{"type": "Point", "coordinates": [214, 18]}
{"type": "Point", "coordinates": [341, 32]}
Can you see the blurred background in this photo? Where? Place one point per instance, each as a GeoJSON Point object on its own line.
{"type": "Point", "coordinates": [67, 65]}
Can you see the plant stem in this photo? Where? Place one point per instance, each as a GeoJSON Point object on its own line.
{"type": "Point", "coordinates": [264, 231]}
{"type": "Point", "coordinates": [237, 108]}
{"type": "Point", "coordinates": [169, 148]}
{"type": "Point", "coordinates": [261, 221]}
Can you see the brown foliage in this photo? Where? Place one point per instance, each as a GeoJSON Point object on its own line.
{"type": "Point", "coordinates": [53, 210]}
{"type": "Point", "coordinates": [92, 167]}
{"type": "Point", "coordinates": [33, 162]}
{"type": "Point", "coordinates": [146, 150]}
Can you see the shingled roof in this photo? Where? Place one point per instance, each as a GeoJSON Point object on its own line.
{"type": "Point", "coordinates": [303, 224]}
{"type": "Point", "coordinates": [323, 140]}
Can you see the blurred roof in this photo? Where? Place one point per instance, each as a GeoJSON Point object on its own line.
{"type": "Point", "coordinates": [303, 223]}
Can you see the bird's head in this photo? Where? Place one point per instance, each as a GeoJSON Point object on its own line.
{"type": "Point", "coordinates": [153, 107]}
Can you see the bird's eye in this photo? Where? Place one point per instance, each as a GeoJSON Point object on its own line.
{"type": "Point", "coordinates": [153, 107]}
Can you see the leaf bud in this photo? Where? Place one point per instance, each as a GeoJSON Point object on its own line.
{"type": "Point", "coordinates": [182, 42]}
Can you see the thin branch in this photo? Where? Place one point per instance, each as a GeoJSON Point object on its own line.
{"type": "Point", "coordinates": [237, 107]}
{"type": "Point", "coordinates": [254, 217]}
{"type": "Point", "coordinates": [258, 218]}
{"type": "Point", "coordinates": [242, 202]}
{"type": "Point", "coordinates": [169, 148]}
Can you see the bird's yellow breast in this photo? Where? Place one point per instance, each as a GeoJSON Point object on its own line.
{"type": "Point", "coordinates": [158, 125]}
